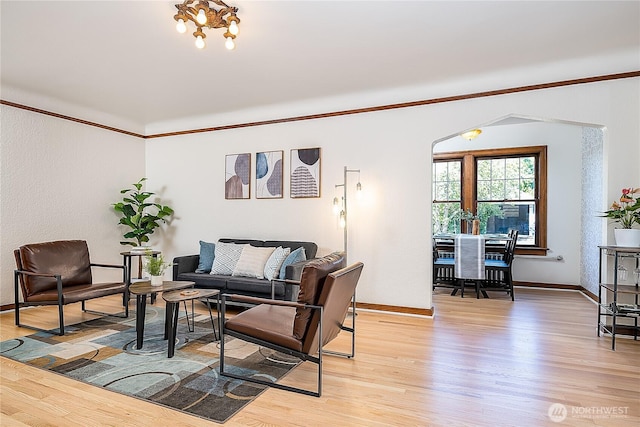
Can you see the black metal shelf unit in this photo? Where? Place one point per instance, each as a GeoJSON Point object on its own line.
{"type": "Point", "coordinates": [614, 309]}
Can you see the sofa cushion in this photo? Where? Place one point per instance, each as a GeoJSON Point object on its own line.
{"type": "Point", "coordinates": [252, 261]}
{"type": "Point", "coordinates": [226, 258]}
{"type": "Point", "coordinates": [310, 248]}
{"type": "Point", "coordinates": [206, 281]}
{"type": "Point", "coordinates": [295, 256]}
{"type": "Point", "coordinates": [272, 267]}
{"type": "Point", "coordinates": [252, 286]}
{"type": "Point", "coordinates": [207, 253]}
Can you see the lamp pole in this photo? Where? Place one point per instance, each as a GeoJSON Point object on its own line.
{"type": "Point", "coordinates": [344, 212]}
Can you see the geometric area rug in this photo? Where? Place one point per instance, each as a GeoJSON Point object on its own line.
{"type": "Point", "coordinates": [103, 352]}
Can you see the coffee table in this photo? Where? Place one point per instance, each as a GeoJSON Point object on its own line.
{"type": "Point", "coordinates": [173, 300]}
{"type": "Point", "coordinates": [141, 290]}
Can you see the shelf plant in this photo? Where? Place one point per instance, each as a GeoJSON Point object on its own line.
{"type": "Point", "coordinates": [155, 265]}
{"type": "Point", "coordinates": [626, 211]}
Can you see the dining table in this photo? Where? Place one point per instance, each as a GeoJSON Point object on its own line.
{"type": "Point", "coordinates": [469, 257]}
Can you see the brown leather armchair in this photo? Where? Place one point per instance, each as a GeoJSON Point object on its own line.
{"type": "Point", "coordinates": [300, 329]}
{"type": "Point", "coordinates": [59, 273]}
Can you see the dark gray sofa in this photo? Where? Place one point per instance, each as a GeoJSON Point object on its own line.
{"type": "Point", "coordinates": [184, 268]}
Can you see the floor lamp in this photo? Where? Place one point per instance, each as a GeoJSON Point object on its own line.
{"type": "Point", "coordinates": [340, 206]}
{"type": "Point", "coordinates": [340, 209]}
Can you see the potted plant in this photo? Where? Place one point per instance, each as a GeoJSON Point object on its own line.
{"type": "Point", "coordinates": [471, 221]}
{"type": "Point", "coordinates": [626, 212]}
{"type": "Point", "coordinates": [155, 266]}
{"type": "Point", "coordinates": [140, 215]}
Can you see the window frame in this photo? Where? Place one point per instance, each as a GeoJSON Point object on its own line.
{"type": "Point", "coordinates": [468, 184]}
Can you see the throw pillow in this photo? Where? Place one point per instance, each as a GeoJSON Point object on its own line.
{"type": "Point", "coordinates": [226, 258]}
{"type": "Point", "coordinates": [207, 253]}
{"type": "Point", "coordinates": [252, 262]}
{"type": "Point", "coordinates": [272, 267]}
{"type": "Point", "coordinates": [295, 256]}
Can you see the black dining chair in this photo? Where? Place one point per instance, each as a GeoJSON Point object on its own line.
{"type": "Point", "coordinates": [498, 276]}
{"type": "Point", "coordinates": [443, 271]}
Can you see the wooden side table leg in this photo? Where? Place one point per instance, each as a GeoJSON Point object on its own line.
{"type": "Point", "coordinates": [167, 321]}
{"type": "Point", "coordinates": [173, 308]}
{"type": "Point", "coordinates": [141, 306]}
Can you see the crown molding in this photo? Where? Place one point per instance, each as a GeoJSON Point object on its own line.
{"type": "Point", "coordinates": [485, 94]}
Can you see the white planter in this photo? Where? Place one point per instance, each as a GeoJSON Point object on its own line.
{"type": "Point", "coordinates": [628, 237]}
{"type": "Point", "coordinates": [156, 280]}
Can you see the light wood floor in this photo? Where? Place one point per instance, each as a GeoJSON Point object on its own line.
{"type": "Point", "coordinates": [486, 362]}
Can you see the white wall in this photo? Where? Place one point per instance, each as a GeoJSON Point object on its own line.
{"type": "Point", "coordinates": [78, 171]}
{"type": "Point", "coordinates": [58, 181]}
{"type": "Point", "coordinates": [390, 230]}
{"type": "Point", "coordinates": [192, 170]}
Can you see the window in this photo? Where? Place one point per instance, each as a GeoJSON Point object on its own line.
{"type": "Point", "coordinates": [447, 196]}
{"type": "Point", "coordinates": [503, 188]}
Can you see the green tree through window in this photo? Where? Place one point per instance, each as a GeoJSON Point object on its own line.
{"type": "Point", "coordinates": [503, 188]}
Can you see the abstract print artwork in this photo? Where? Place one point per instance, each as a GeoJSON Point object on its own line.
{"type": "Point", "coordinates": [237, 174]}
{"type": "Point", "coordinates": [305, 172]}
{"type": "Point", "coordinates": [269, 173]}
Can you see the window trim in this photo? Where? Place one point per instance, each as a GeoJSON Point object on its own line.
{"type": "Point", "coordinates": [468, 190]}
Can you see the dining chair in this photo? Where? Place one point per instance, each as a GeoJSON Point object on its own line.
{"type": "Point", "coordinates": [469, 262]}
{"type": "Point", "coordinates": [498, 275]}
{"type": "Point", "coordinates": [443, 276]}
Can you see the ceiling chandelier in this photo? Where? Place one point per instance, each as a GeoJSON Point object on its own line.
{"type": "Point", "coordinates": [203, 13]}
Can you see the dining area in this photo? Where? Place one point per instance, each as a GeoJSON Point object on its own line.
{"type": "Point", "coordinates": [479, 262]}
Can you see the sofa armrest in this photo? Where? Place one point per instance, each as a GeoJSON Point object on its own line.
{"type": "Point", "coordinates": [292, 276]}
{"type": "Point", "coordinates": [294, 271]}
{"type": "Point", "coordinates": [185, 264]}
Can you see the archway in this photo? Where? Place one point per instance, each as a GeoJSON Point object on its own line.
{"type": "Point", "coordinates": [576, 184]}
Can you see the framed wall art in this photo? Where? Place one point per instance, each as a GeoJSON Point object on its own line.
{"type": "Point", "coordinates": [237, 176]}
{"type": "Point", "coordinates": [269, 174]}
{"type": "Point", "coordinates": [305, 172]}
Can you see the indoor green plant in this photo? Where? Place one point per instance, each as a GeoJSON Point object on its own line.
{"type": "Point", "coordinates": [155, 266]}
{"type": "Point", "coordinates": [140, 215]}
{"type": "Point", "coordinates": [626, 212]}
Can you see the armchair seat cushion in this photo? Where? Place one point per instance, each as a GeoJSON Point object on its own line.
{"type": "Point", "coordinates": [77, 293]}
{"type": "Point", "coordinates": [269, 323]}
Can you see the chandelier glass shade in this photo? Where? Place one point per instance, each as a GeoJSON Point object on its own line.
{"type": "Point", "coordinates": [209, 14]}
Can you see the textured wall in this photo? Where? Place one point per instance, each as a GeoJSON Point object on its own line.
{"type": "Point", "coordinates": [58, 181]}
{"type": "Point", "coordinates": [591, 204]}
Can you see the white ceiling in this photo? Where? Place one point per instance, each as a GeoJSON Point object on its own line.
{"type": "Point", "coordinates": [126, 59]}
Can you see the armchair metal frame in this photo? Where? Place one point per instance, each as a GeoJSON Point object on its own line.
{"type": "Point", "coordinates": [351, 329]}
{"type": "Point", "coordinates": [59, 301]}
{"type": "Point", "coordinates": [317, 316]}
